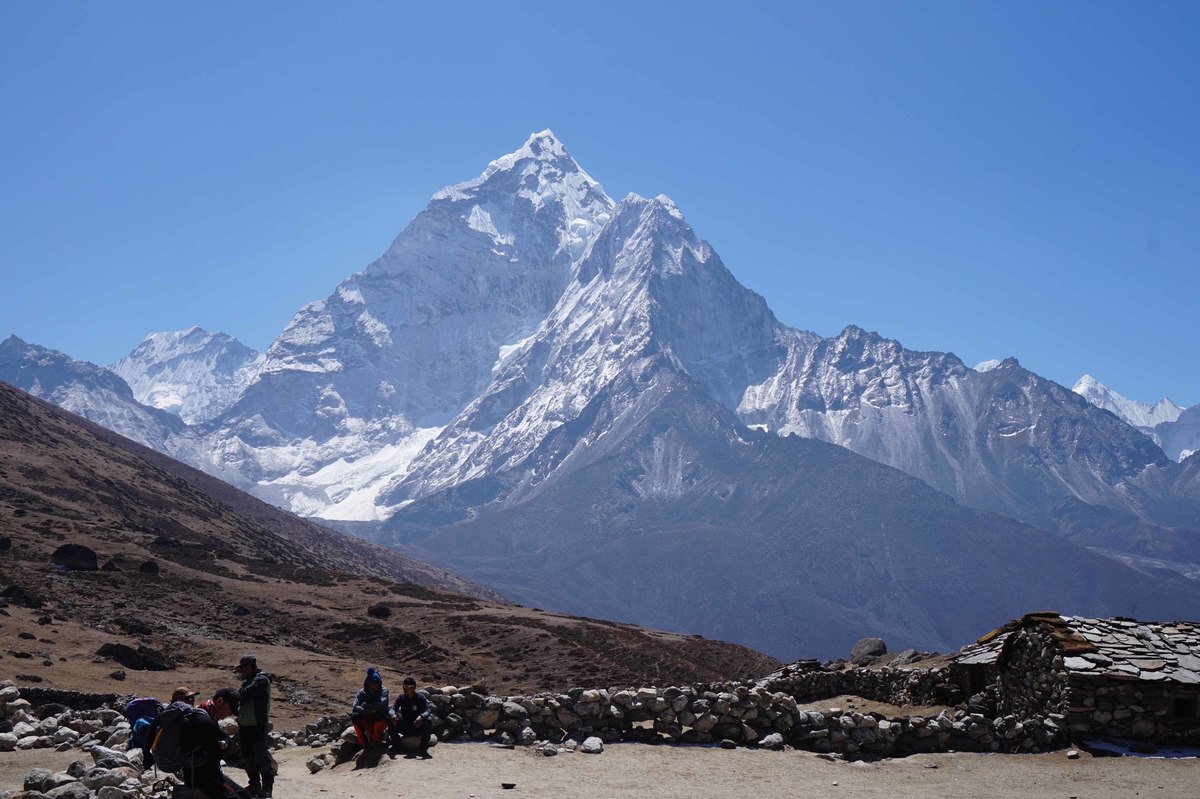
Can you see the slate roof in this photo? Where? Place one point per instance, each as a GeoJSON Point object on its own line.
{"type": "Point", "coordinates": [1118, 648]}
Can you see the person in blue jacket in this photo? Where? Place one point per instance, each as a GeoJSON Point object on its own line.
{"type": "Point", "coordinates": [370, 714]}
{"type": "Point", "coordinates": [411, 713]}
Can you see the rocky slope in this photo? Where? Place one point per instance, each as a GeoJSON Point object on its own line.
{"type": "Point", "coordinates": [182, 579]}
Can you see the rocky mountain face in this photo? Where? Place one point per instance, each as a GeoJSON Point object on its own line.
{"type": "Point", "coordinates": [638, 294]}
{"type": "Point", "coordinates": [655, 504]}
{"type": "Point", "coordinates": [191, 373]}
{"type": "Point", "coordinates": [360, 381]}
{"type": "Point", "coordinates": [87, 390]}
{"type": "Point", "coordinates": [1003, 439]}
{"type": "Point", "coordinates": [127, 563]}
{"type": "Point", "coordinates": [1180, 438]}
{"type": "Point", "coordinates": [1175, 429]}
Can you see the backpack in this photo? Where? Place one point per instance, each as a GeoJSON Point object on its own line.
{"type": "Point", "coordinates": [139, 713]}
{"type": "Point", "coordinates": [167, 747]}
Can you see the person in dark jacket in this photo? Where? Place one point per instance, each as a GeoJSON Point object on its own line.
{"type": "Point", "coordinates": [371, 714]}
{"type": "Point", "coordinates": [201, 742]}
{"type": "Point", "coordinates": [254, 700]}
{"type": "Point", "coordinates": [202, 736]}
{"type": "Point", "coordinates": [411, 714]}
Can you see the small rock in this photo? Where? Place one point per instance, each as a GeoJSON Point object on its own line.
{"type": "Point", "coordinates": [1072, 754]}
{"type": "Point", "coordinates": [592, 746]}
{"type": "Point", "coordinates": [39, 779]}
{"type": "Point", "coordinates": [70, 790]}
{"type": "Point", "coordinates": [774, 742]}
{"type": "Point", "coordinates": [727, 743]}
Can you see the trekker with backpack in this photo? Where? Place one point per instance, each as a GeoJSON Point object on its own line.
{"type": "Point", "coordinates": [254, 699]}
{"type": "Point", "coordinates": [186, 740]}
{"type": "Point", "coordinates": [371, 714]}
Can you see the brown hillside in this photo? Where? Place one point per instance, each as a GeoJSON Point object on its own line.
{"type": "Point", "coordinates": [235, 575]}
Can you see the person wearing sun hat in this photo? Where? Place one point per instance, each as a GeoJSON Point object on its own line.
{"type": "Point", "coordinates": [254, 698]}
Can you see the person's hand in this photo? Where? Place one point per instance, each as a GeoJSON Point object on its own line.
{"type": "Point", "coordinates": [223, 745]}
{"type": "Point", "coordinates": [417, 723]}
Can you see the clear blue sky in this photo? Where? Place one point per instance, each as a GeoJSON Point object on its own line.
{"type": "Point", "coordinates": [992, 179]}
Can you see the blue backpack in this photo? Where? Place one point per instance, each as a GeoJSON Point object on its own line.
{"type": "Point", "coordinates": [140, 713]}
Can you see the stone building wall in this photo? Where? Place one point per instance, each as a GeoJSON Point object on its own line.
{"type": "Point", "coordinates": [1165, 712]}
{"type": "Point", "coordinates": [1032, 678]}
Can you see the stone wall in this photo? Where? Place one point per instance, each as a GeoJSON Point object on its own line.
{"type": "Point", "coordinates": [914, 686]}
{"type": "Point", "coordinates": [732, 715]}
{"type": "Point", "coordinates": [1032, 676]}
{"type": "Point", "coordinates": [1165, 712]}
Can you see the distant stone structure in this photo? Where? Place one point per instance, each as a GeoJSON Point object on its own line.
{"type": "Point", "coordinates": [1116, 677]}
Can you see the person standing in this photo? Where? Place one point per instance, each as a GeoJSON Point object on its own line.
{"type": "Point", "coordinates": [370, 714]}
{"type": "Point", "coordinates": [411, 714]}
{"type": "Point", "coordinates": [254, 699]}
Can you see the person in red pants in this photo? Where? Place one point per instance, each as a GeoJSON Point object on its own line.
{"type": "Point", "coordinates": [371, 714]}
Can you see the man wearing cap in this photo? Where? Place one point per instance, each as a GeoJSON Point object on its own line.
{"type": "Point", "coordinates": [254, 698]}
{"type": "Point", "coordinates": [200, 741]}
{"type": "Point", "coordinates": [411, 715]}
{"type": "Point", "coordinates": [184, 697]}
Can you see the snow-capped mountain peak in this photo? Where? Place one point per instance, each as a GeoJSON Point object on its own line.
{"type": "Point", "coordinates": [358, 382]}
{"type": "Point", "coordinates": [191, 373]}
{"type": "Point", "coordinates": [1141, 415]}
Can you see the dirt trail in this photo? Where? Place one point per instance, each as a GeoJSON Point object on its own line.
{"type": "Point", "coordinates": [475, 771]}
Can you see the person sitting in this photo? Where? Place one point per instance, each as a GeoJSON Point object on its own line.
{"type": "Point", "coordinates": [411, 714]}
{"type": "Point", "coordinates": [371, 715]}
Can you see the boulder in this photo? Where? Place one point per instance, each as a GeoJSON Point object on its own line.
{"type": "Point", "coordinates": [75, 557]}
{"type": "Point", "coordinates": [774, 742]}
{"type": "Point", "coordinates": [867, 648]}
{"type": "Point", "coordinates": [141, 659]}
{"type": "Point", "coordinates": [70, 790]}
{"type": "Point", "coordinates": [40, 779]}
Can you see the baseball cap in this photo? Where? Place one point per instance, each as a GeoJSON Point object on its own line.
{"type": "Point", "coordinates": [183, 692]}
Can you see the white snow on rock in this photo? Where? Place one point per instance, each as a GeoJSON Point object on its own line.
{"type": "Point", "coordinates": [191, 373]}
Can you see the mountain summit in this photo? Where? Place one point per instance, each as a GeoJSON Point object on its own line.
{"type": "Point", "coordinates": [358, 382]}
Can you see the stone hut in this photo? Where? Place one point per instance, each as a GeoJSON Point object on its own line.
{"type": "Point", "coordinates": [1114, 677]}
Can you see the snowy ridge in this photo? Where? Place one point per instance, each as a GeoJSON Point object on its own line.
{"type": "Point", "coordinates": [191, 373]}
{"type": "Point", "coordinates": [94, 393]}
{"type": "Point", "coordinates": [360, 381]}
{"type": "Point", "coordinates": [629, 310]}
{"type": "Point", "coordinates": [1139, 414]}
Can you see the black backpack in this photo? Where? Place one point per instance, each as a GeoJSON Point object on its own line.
{"type": "Point", "coordinates": [167, 747]}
